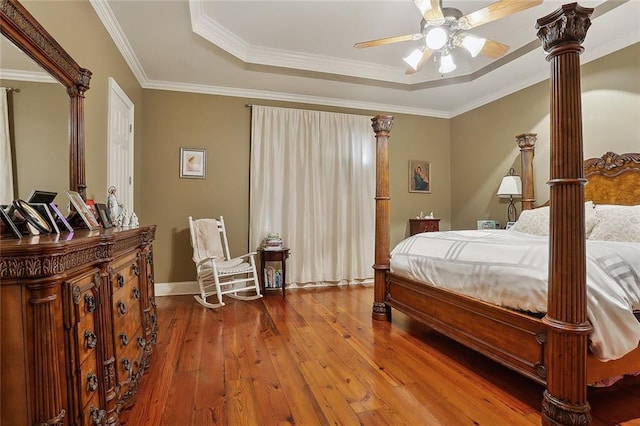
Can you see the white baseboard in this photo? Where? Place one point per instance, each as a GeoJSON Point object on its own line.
{"type": "Point", "coordinates": [191, 287]}
{"type": "Point", "coordinates": [176, 289]}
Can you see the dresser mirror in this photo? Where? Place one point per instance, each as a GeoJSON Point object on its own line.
{"type": "Point", "coordinates": [20, 28]}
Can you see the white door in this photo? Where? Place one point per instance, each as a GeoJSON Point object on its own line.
{"type": "Point", "coordinates": [120, 145]}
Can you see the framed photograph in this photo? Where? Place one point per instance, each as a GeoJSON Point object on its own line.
{"type": "Point", "coordinates": [44, 210]}
{"type": "Point", "coordinates": [39, 196]}
{"type": "Point", "coordinates": [32, 217]}
{"type": "Point", "coordinates": [83, 210]}
{"type": "Point", "coordinates": [193, 163]}
{"type": "Point", "coordinates": [103, 215]}
{"type": "Point", "coordinates": [12, 226]}
{"type": "Point", "coordinates": [60, 217]}
{"type": "Point", "coordinates": [486, 224]}
{"type": "Point", "coordinates": [420, 176]}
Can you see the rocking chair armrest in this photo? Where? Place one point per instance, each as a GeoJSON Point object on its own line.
{"type": "Point", "coordinates": [206, 259]}
{"type": "Point", "coordinates": [251, 254]}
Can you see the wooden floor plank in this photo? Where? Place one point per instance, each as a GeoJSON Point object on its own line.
{"type": "Point", "coordinates": [316, 357]}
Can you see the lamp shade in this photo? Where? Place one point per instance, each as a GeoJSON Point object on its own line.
{"type": "Point", "coordinates": [511, 186]}
{"type": "Point", "coordinates": [446, 63]}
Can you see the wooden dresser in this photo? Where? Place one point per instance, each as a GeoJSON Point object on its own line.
{"type": "Point", "coordinates": [417, 226]}
{"type": "Point", "coordinates": [78, 322]}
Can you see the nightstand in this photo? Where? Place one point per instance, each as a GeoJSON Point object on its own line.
{"type": "Point", "coordinates": [417, 226]}
{"type": "Point", "coordinates": [278, 255]}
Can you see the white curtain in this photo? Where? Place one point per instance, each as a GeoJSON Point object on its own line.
{"type": "Point", "coordinates": [313, 182]}
{"type": "Point", "coordinates": [6, 173]}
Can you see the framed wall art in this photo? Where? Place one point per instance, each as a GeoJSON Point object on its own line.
{"type": "Point", "coordinates": [420, 176]}
{"type": "Point", "coordinates": [193, 163]}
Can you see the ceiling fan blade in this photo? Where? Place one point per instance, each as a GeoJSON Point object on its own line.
{"type": "Point", "coordinates": [388, 40]}
{"type": "Point", "coordinates": [494, 11]}
{"type": "Point", "coordinates": [426, 54]}
{"type": "Point", "coordinates": [430, 9]}
{"type": "Point", "coordinates": [493, 49]}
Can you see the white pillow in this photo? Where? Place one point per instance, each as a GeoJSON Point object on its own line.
{"type": "Point", "coordinates": [536, 221]}
{"type": "Point", "coordinates": [617, 224]}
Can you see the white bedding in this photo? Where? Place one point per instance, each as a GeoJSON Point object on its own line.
{"type": "Point", "coordinates": [510, 269]}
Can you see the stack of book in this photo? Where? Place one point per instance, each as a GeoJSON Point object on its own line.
{"type": "Point", "coordinates": [273, 242]}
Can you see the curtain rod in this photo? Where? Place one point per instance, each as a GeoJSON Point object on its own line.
{"type": "Point", "coordinates": [11, 89]}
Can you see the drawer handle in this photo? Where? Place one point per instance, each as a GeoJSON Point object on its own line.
{"type": "Point", "coordinates": [124, 339]}
{"type": "Point", "coordinates": [152, 300]}
{"type": "Point", "coordinates": [150, 259]}
{"type": "Point", "coordinates": [120, 280]}
{"type": "Point", "coordinates": [97, 415]}
{"type": "Point", "coordinates": [136, 269]}
{"type": "Point", "coordinates": [126, 364]}
{"type": "Point", "coordinates": [151, 279]}
{"type": "Point", "coordinates": [92, 382]}
{"type": "Point", "coordinates": [154, 318]}
{"type": "Point", "coordinates": [90, 339]}
{"type": "Point", "coordinates": [142, 342]}
{"type": "Point", "coordinates": [136, 293]}
{"type": "Point", "coordinates": [89, 303]}
{"type": "Point", "coordinates": [122, 308]}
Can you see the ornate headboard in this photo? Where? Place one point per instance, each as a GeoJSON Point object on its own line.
{"type": "Point", "coordinates": [613, 179]}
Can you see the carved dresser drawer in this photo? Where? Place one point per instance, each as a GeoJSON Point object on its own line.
{"type": "Point", "coordinates": [83, 361]}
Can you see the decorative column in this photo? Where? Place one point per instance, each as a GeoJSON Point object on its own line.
{"type": "Point", "coordinates": [565, 399]}
{"type": "Point", "coordinates": [526, 143]}
{"type": "Point", "coordinates": [46, 307]}
{"type": "Point", "coordinates": [382, 127]}
{"type": "Point", "coordinates": [77, 175]}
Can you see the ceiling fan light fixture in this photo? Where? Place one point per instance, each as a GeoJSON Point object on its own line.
{"type": "Point", "coordinates": [446, 63]}
{"type": "Point", "coordinates": [473, 44]}
{"type": "Point", "coordinates": [437, 38]}
{"type": "Point", "coordinates": [423, 6]}
{"type": "Point", "coordinates": [414, 58]}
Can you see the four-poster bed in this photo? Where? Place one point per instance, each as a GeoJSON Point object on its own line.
{"type": "Point", "coordinates": [552, 349]}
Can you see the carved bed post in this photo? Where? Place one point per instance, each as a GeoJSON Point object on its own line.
{"type": "Point", "coordinates": [526, 143]}
{"type": "Point", "coordinates": [565, 399]}
{"type": "Point", "coordinates": [382, 126]}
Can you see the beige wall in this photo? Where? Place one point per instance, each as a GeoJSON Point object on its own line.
{"type": "Point", "coordinates": [483, 146]}
{"type": "Point", "coordinates": [221, 125]}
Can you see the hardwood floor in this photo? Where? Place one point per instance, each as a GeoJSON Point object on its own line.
{"type": "Point", "coordinates": [317, 358]}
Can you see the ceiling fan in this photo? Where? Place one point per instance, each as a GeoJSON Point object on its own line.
{"type": "Point", "coordinates": [445, 28]}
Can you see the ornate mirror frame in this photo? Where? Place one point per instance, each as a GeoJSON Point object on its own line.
{"type": "Point", "coordinates": [17, 24]}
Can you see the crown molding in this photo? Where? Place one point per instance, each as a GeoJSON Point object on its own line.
{"type": "Point", "coordinates": [32, 76]}
{"type": "Point", "coordinates": [292, 97]}
{"type": "Point", "coordinates": [108, 19]}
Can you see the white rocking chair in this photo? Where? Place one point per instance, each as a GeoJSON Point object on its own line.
{"type": "Point", "coordinates": [217, 273]}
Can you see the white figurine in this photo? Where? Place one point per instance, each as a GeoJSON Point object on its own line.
{"type": "Point", "coordinates": [133, 220]}
{"type": "Point", "coordinates": [115, 206]}
{"type": "Point", "coordinates": [125, 217]}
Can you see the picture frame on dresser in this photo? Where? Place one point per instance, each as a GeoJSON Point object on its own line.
{"type": "Point", "coordinates": [88, 219]}
{"type": "Point", "coordinates": [45, 211]}
{"type": "Point", "coordinates": [104, 215]}
{"type": "Point", "coordinates": [12, 226]}
{"type": "Point", "coordinates": [60, 217]}
{"type": "Point", "coordinates": [35, 221]}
